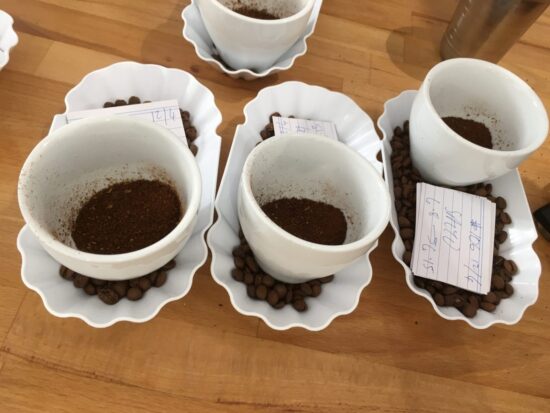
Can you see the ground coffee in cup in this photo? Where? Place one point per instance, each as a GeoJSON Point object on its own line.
{"type": "Point", "coordinates": [309, 220]}
{"type": "Point", "coordinates": [262, 286]}
{"type": "Point", "coordinates": [405, 178]}
{"type": "Point", "coordinates": [254, 13]}
{"type": "Point", "coordinates": [471, 130]}
{"type": "Point", "coordinates": [126, 217]}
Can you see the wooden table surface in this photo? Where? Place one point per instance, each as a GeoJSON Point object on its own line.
{"type": "Point", "coordinates": [392, 354]}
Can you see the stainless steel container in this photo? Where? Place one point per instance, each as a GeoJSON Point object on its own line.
{"type": "Point", "coordinates": [486, 29]}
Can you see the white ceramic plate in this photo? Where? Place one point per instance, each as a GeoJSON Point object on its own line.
{"type": "Point", "coordinates": [8, 37]}
{"type": "Point", "coordinates": [150, 82]}
{"type": "Point", "coordinates": [195, 33]}
{"type": "Point", "coordinates": [518, 246]}
{"type": "Point", "coordinates": [356, 129]}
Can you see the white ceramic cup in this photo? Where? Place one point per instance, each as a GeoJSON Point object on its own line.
{"type": "Point", "coordinates": [248, 43]}
{"type": "Point", "coordinates": [317, 168]}
{"type": "Point", "coordinates": [484, 92]}
{"type": "Point", "coordinates": [75, 161]}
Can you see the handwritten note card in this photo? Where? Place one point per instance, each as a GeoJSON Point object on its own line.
{"type": "Point", "coordinates": [284, 126]}
{"type": "Point", "coordinates": [165, 113]}
{"type": "Point", "coordinates": [454, 238]}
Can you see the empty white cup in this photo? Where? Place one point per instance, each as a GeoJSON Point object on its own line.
{"type": "Point", "coordinates": [485, 92]}
{"type": "Point", "coordinates": [320, 169]}
{"type": "Point", "coordinates": [77, 160]}
{"type": "Point", "coordinates": [248, 43]}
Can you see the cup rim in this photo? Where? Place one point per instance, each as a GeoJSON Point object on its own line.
{"type": "Point", "coordinates": [163, 136]}
{"type": "Point", "coordinates": [352, 156]}
{"type": "Point", "coordinates": [425, 91]}
{"type": "Point", "coordinates": [306, 9]}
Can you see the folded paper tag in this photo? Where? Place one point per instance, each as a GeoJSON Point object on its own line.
{"type": "Point", "coordinates": [165, 113]}
{"type": "Point", "coordinates": [285, 126]}
{"type": "Point", "coordinates": [454, 238]}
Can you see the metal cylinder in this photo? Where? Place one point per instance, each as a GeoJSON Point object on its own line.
{"type": "Point", "coordinates": [486, 29]}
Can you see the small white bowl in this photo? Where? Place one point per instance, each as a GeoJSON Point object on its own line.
{"type": "Point", "coordinates": [67, 166]}
{"type": "Point", "coordinates": [518, 247]}
{"type": "Point", "coordinates": [312, 167]}
{"type": "Point", "coordinates": [8, 38]}
{"type": "Point", "coordinates": [356, 130]}
{"type": "Point", "coordinates": [483, 91]}
{"type": "Point", "coordinates": [194, 31]}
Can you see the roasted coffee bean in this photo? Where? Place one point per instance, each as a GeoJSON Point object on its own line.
{"type": "Point", "coordinates": [185, 115]}
{"type": "Point", "coordinates": [419, 281]}
{"type": "Point", "coordinates": [251, 291]}
{"type": "Point", "coordinates": [406, 233]}
{"type": "Point", "coordinates": [502, 294]}
{"type": "Point", "coordinates": [252, 264]}
{"type": "Point", "coordinates": [497, 261]}
{"type": "Point", "coordinates": [306, 289]}
{"type": "Point", "coordinates": [501, 237]}
{"type": "Point", "coordinates": [439, 299]}
{"type": "Point", "coordinates": [194, 149]}
{"type": "Point", "coordinates": [403, 221]}
{"type": "Point", "coordinates": [108, 104]}
{"type": "Point", "coordinates": [238, 275]}
{"type": "Point", "coordinates": [449, 289]}
{"type": "Point", "coordinates": [144, 284]}
{"type": "Point", "coordinates": [509, 289]}
{"type": "Point", "coordinates": [497, 282]}
{"type": "Point", "coordinates": [487, 306]}
{"type": "Point", "coordinates": [299, 305]}
{"type": "Point", "coordinates": [407, 257]}
{"type": "Point", "coordinates": [505, 218]}
{"type": "Point", "coordinates": [239, 252]}
{"type": "Point", "coordinates": [120, 287]}
{"type": "Point", "coordinates": [454, 300]}
{"type": "Point", "coordinates": [275, 114]}
{"type": "Point", "coordinates": [90, 289]}
{"type": "Point", "coordinates": [279, 305]}
{"type": "Point", "coordinates": [134, 282]}
{"type": "Point", "coordinates": [161, 278]}
{"type": "Point", "coordinates": [134, 294]}
{"type": "Point", "coordinates": [501, 203]}
{"type": "Point", "coordinates": [437, 285]}
{"type": "Point", "coordinates": [107, 295]}
{"type": "Point", "coordinates": [248, 277]}
{"type": "Point", "coordinates": [257, 279]}
{"type": "Point", "coordinates": [67, 273]}
{"type": "Point", "coordinates": [326, 279]}
{"type": "Point", "coordinates": [469, 310]}
{"type": "Point", "coordinates": [289, 296]}
{"type": "Point", "coordinates": [239, 263]}
{"type": "Point", "coordinates": [316, 290]}
{"type": "Point", "coordinates": [280, 289]}
{"type": "Point", "coordinates": [268, 280]}
{"type": "Point", "coordinates": [169, 265]}
{"type": "Point", "coordinates": [490, 297]}
{"type": "Point", "coordinates": [152, 277]}
{"type": "Point", "coordinates": [80, 281]}
{"type": "Point", "coordinates": [120, 102]}
{"type": "Point", "coordinates": [191, 133]}
{"type": "Point", "coordinates": [272, 297]}
{"type": "Point", "coordinates": [261, 292]}
{"type": "Point", "coordinates": [97, 283]}
{"type": "Point", "coordinates": [134, 100]}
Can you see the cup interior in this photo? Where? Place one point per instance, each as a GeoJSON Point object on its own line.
{"type": "Point", "coordinates": [487, 93]}
{"type": "Point", "coordinates": [76, 161]}
{"type": "Point", "coordinates": [279, 8]}
{"type": "Point", "coordinates": [322, 170]}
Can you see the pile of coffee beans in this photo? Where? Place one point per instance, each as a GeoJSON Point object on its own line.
{"type": "Point", "coordinates": [111, 292]}
{"type": "Point", "coordinates": [405, 178]}
{"type": "Point", "coordinates": [262, 286]}
{"type": "Point", "coordinates": [190, 131]}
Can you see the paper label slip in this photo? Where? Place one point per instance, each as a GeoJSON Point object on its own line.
{"type": "Point", "coordinates": [285, 126]}
{"type": "Point", "coordinates": [165, 113]}
{"type": "Point", "coordinates": [454, 238]}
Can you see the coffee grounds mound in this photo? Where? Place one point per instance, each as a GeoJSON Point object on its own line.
{"type": "Point", "coordinates": [262, 286]}
{"type": "Point", "coordinates": [405, 178]}
{"type": "Point", "coordinates": [309, 220]}
{"type": "Point", "coordinates": [111, 292]}
{"type": "Point", "coordinates": [475, 132]}
{"type": "Point", "coordinates": [126, 217]}
{"type": "Point", "coordinates": [190, 131]}
{"type": "Point", "coordinates": [255, 13]}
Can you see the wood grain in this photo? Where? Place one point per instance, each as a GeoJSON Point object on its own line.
{"type": "Point", "coordinates": [392, 354]}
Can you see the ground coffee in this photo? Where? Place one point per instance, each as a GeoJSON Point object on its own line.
{"type": "Point", "coordinates": [475, 132]}
{"type": "Point", "coordinates": [190, 131]}
{"type": "Point", "coordinates": [262, 286]}
{"type": "Point", "coordinates": [126, 217]}
{"type": "Point", "coordinates": [309, 220]}
{"type": "Point", "coordinates": [255, 13]}
{"type": "Point", "coordinates": [111, 292]}
{"type": "Point", "coordinates": [405, 178]}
